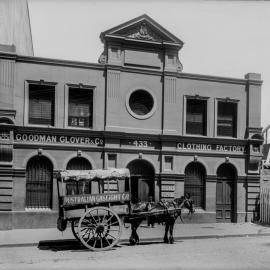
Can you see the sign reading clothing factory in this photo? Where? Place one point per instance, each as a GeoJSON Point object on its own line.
{"type": "Point", "coordinates": [183, 146]}
{"type": "Point", "coordinates": [42, 138]}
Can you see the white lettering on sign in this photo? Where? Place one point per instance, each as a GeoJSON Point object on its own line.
{"type": "Point", "coordinates": [96, 198]}
{"type": "Point", "coordinates": [139, 143]}
{"type": "Point", "coordinates": [167, 194]}
{"type": "Point", "coordinates": [57, 139]}
{"type": "Point", "coordinates": [168, 188]}
{"type": "Point", "coordinates": [210, 147]}
{"type": "Point", "coordinates": [4, 135]}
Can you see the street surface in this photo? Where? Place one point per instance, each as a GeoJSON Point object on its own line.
{"type": "Point", "coordinates": [217, 253]}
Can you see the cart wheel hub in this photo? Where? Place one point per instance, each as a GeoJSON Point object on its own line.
{"type": "Point", "coordinates": [100, 229]}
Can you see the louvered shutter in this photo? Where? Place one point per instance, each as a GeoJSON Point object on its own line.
{"type": "Point", "coordinates": [226, 123]}
{"type": "Point", "coordinates": [80, 107]}
{"type": "Point", "coordinates": [41, 104]}
{"type": "Point", "coordinates": [196, 117]}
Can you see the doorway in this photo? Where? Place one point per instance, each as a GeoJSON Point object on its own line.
{"type": "Point", "coordinates": [142, 176]}
{"type": "Point", "coordinates": [226, 182]}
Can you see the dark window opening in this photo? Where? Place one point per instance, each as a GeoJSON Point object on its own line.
{"type": "Point", "coordinates": [226, 122]}
{"type": "Point", "coordinates": [196, 117]}
{"type": "Point", "coordinates": [141, 102]}
{"type": "Point", "coordinates": [195, 183]}
{"type": "Point", "coordinates": [39, 175]}
{"type": "Point", "coordinates": [80, 107]}
{"type": "Point", "coordinates": [41, 104]}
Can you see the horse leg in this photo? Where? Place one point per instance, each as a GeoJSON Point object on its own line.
{"type": "Point", "coordinates": [134, 238]}
{"type": "Point", "coordinates": [171, 239]}
{"type": "Point", "coordinates": [165, 239]}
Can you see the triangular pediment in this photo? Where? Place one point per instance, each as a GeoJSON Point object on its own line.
{"type": "Point", "coordinates": [142, 28]}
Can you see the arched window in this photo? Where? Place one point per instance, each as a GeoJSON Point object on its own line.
{"type": "Point", "coordinates": [81, 187]}
{"type": "Point", "coordinates": [39, 175]}
{"type": "Point", "coordinates": [195, 183]}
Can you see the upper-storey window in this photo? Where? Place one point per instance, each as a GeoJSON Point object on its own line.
{"type": "Point", "coordinates": [227, 119]}
{"type": "Point", "coordinates": [41, 104]}
{"type": "Point", "coordinates": [80, 107]}
{"type": "Point", "coordinates": [196, 117]}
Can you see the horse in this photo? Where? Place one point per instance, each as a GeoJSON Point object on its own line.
{"type": "Point", "coordinates": [171, 210]}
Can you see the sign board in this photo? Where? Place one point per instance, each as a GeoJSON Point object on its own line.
{"type": "Point", "coordinates": [43, 138]}
{"type": "Point", "coordinates": [224, 148]}
{"type": "Point", "coordinates": [95, 198]}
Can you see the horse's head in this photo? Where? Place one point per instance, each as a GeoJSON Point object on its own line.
{"type": "Point", "coordinates": [186, 202]}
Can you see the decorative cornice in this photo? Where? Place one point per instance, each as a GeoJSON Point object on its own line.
{"type": "Point", "coordinates": [58, 62]}
{"type": "Point", "coordinates": [210, 78]}
{"type": "Point", "coordinates": [8, 56]}
{"type": "Point", "coordinates": [58, 131]}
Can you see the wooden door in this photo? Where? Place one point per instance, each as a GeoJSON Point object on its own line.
{"type": "Point", "coordinates": [224, 205]}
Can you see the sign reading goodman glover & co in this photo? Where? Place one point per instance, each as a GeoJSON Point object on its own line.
{"type": "Point", "coordinates": [183, 146]}
{"type": "Point", "coordinates": [61, 139]}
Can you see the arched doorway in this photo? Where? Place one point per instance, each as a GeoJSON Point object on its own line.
{"type": "Point", "coordinates": [142, 180]}
{"type": "Point", "coordinates": [78, 187]}
{"type": "Point", "coordinates": [79, 163]}
{"type": "Point", "coordinates": [195, 183]}
{"type": "Point", "coordinates": [39, 176]}
{"type": "Point", "coordinates": [226, 182]}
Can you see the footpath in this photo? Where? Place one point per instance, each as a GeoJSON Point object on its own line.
{"type": "Point", "coordinates": [33, 237]}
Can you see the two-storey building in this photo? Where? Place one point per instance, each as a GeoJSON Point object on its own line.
{"type": "Point", "coordinates": [177, 132]}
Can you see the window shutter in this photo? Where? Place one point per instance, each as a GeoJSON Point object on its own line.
{"type": "Point", "coordinates": [80, 107]}
{"type": "Point", "coordinates": [226, 124]}
{"type": "Point", "coordinates": [196, 117]}
{"type": "Point", "coordinates": [41, 104]}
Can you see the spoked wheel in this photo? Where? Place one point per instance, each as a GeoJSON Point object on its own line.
{"type": "Point", "coordinates": [74, 228]}
{"type": "Point", "coordinates": [99, 228]}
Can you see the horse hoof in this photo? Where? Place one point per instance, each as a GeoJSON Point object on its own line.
{"type": "Point", "coordinates": [132, 242]}
{"type": "Point", "coordinates": [171, 241]}
{"type": "Point", "coordinates": [166, 241]}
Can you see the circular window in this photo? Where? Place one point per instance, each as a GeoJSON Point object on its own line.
{"type": "Point", "coordinates": [140, 104]}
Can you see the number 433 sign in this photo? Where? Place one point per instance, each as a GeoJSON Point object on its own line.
{"type": "Point", "coordinates": [139, 143]}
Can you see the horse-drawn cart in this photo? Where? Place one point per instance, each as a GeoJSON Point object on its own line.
{"type": "Point", "coordinates": [96, 202]}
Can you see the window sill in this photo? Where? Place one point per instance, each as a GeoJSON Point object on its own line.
{"type": "Point", "coordinates": [79, 128]}
{"type": "Point", "coordinates": [195, 135]}
{"type": "Point", "coordinates": [32, 209]}
{"type": "Point", "coordinates": [226, 137]}
{"type": "Point", "coordinates": [39, 125]}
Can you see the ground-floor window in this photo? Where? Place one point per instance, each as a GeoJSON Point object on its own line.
{"type": "Point", "coordinates": [39, 175]}
{"type": "Point", "coordinates": [195, 183]}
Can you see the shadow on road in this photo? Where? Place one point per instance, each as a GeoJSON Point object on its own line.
{"type": "Point", "coordinates": [60, 245]}
{"type": "Point", "coordinates": [76, 246]}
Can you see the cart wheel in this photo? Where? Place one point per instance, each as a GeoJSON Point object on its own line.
{"type": "Point", "coordinates": [99, 228]}
{"type": "Point", "coordinates": [74, 228]}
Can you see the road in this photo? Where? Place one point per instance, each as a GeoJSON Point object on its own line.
{"type": "Point", "coordinates": [221, 253]}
